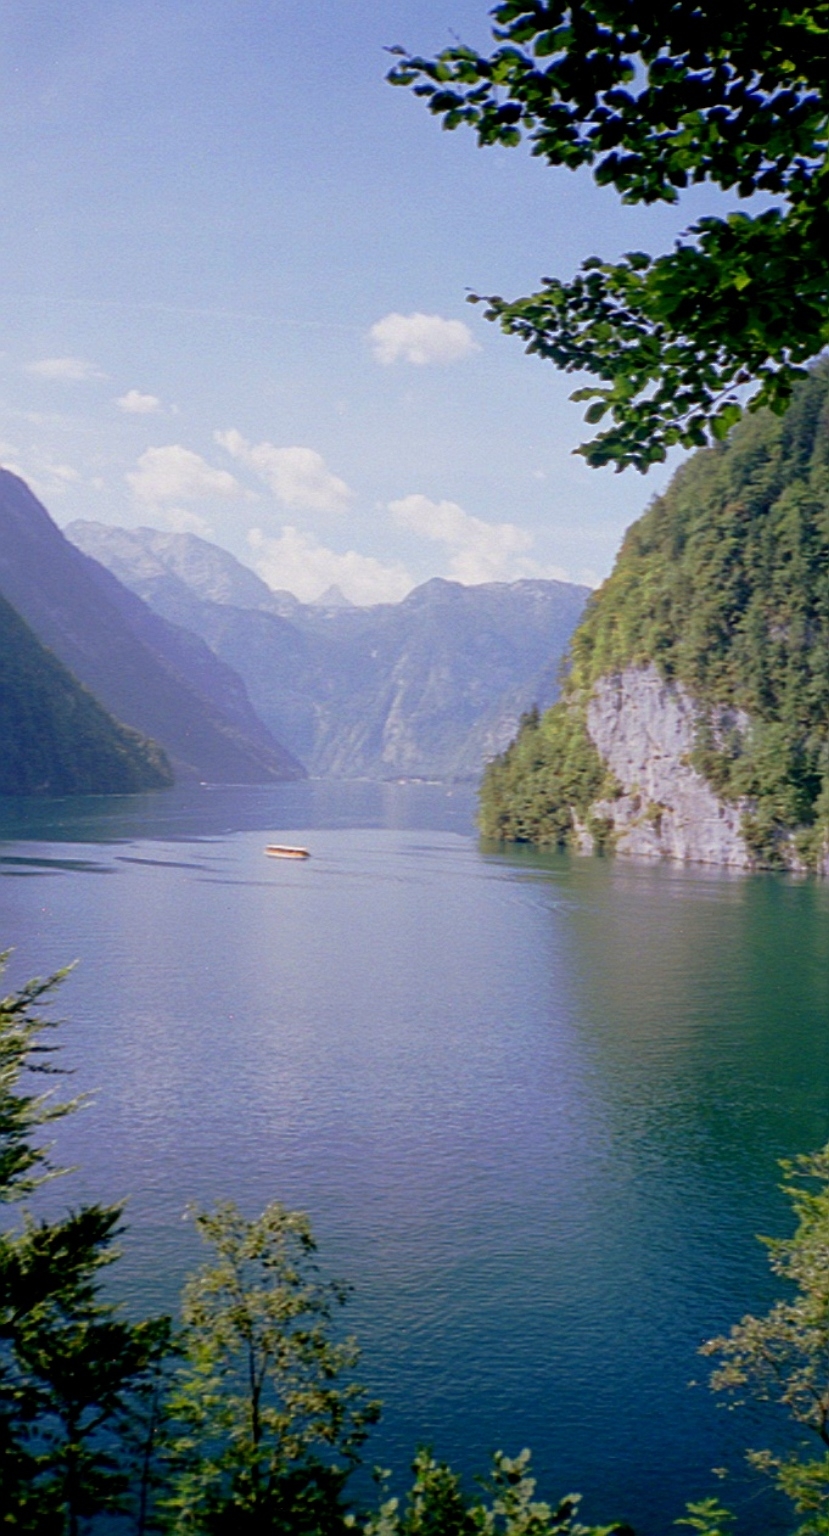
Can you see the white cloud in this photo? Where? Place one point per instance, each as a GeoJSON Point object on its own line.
{"type": "Point", "coordinates": [297, 563]}
{"type": "Point", "coordinates": [67, 370]}
{"type": "Point", "coordinates": [63, 472]}
{"type": "Point", "coordinates": [42, 481]}
{"type": "Point", "coordinates": [177, 474]}
{"type": "Point", "coordinates": [184, 520]}
{"type": "Point", "coordinates": [420, 339]}
{"type": "Point", "coordinates": [136, 404]}
{"type": "Point", "coordinates": [48, 479]}
{"type": "Point", "coordinates": [298, 477]}
{"type": "Point", "coordinates": [479, 551]}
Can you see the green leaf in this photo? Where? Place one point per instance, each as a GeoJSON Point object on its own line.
{"type": "Point", "coordinates": [741, 298]}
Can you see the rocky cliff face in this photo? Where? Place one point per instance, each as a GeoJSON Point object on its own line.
{"type": "Point", "coordinates": [645, 729]}
{"type": "Point", "coordinates": [694, 722]}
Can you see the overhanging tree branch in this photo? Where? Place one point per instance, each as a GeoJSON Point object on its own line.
{"type": "Point", "coordinates": [652, 96]}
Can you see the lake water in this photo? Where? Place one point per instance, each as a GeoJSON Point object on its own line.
{"type": "Point", "coordinates": [533, 1104]}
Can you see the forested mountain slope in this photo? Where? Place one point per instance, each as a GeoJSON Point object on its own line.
{"type": "Point", "coordinates": [696, 715]}
{"type": "Point", "coordinates": [426, 688]}
{"type": "Point", "coordinates": [154, 677]}
{"type": "Point", "coordinates": [55, 738]}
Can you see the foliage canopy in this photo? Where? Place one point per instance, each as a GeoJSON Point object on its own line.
{"type": "Point", "coordinates": [653, 95]}
{"type": "Point", "coordinates": [783, 1357]}
{"type": "Point", "coordinates": [70, 1366]}
{"type": "Point", "coordinates": [724, 585]}
{"type": "Point", "coordinates": [266, 1424]}
{"type": "Point", "coordinates": [438, 1506]}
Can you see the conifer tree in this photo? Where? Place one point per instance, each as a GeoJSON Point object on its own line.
{"type": "Point", "coordinates": [69, 1365]}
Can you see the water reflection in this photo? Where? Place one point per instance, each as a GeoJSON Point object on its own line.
{"type": "Point", "coordinates": [18, 864]}
{"type": "Point", "coordinates": [201, 810]}
{"type": "Point", "coordinates": [533, 1104]}
{"type": "Point", "coordinates": [703, 1001]}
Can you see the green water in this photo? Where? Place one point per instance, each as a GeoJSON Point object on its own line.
{"type": "Point", "coordinates": [534, 1105]}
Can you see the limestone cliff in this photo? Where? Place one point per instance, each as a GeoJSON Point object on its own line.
{"type": "Point", "coordinates": [694, 722]}
{"type": "Point", "coordinates": [644, 728]}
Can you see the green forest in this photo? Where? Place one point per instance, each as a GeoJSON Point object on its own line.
{"type": "Point", "coordinates": [723, 584]}
{"type": "Point", "coordinates": [57, 739]}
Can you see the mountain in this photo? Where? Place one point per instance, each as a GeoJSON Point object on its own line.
{"type": "Point", "coordinates": [426, 688]}
{"type": "Point", "coordinates": [695, 719]}
{"type": "Point", "coordinates": [158, 679]}
{"type": "Point", "coordinates": [57, 739]}
{"type": "Point", "coordinates": [333, 597]}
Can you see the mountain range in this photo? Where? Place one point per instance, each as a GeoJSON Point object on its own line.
{"type": "Point", "coordinates": [154, 677]}
{"type": "Point", "coordinates": [429, 687]}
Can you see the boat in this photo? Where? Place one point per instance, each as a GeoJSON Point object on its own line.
{"type": "Point", "coordinates": [282, 851]}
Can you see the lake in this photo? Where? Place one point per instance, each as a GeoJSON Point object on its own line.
{"type": "Point", "coordinates": [532, 1103]}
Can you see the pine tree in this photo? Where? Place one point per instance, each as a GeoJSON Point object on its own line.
{"type": "Point", "coordinates": [71, 1369]}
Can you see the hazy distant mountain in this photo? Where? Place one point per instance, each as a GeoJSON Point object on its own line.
{"type": "Point", "coordinates": [427, 688]}
{"type": "Point", "coordinates": [166, 567]}
{"type": "Point", "coordinates": [161, 681]}
{"type": "Point", "coordinates": [56, 738]}
{"type": "Point", "coordinates": [333, 597]}
{"type": "Point", "coordinates": [140, 556]}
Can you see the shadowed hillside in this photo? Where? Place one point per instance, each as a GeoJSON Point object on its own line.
{"type": "Point", "coordinates": [56, 738]}
{"type": "Point", "coordinates": [155, 678]}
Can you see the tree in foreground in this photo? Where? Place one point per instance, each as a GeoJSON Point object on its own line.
{"type": "Point", "coordinates": [25, 1060]}
{"type": "Point", "coordinates": [653, 95]}
{"type": "Point", "coordinates": [783, 1357]}
{"type": "Point", "coordinates": [71, 1369]}
{"type": "Point", "coordinates": [267, 1421]}
{"type": "Point", "coordinates": [436, 1505]}
{"type": "Point", "coordinates": [253, 1423]}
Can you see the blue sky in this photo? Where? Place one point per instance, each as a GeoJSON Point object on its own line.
{"type": "Point", "coordinates": [221, 233]}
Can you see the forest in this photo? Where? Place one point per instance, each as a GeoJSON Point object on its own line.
{"type": "Point", "coordinates": [723, 584]}
{"type": "Point", "coordinates": [57, 739]}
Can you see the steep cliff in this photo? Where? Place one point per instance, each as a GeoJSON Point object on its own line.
{"type": "Point", "coordinates": [644, 729]}
{"type": "Point", "coordinates": [696, 709]}
{"type": "Point", "coordinates": [56, 738]}
{"type": "Point", "coordinates": [158, 679]}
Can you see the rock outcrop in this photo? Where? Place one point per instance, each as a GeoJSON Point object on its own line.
{"type": "Point", "coordinates": [694, 721]}
{"type": "Point", "coordinates": [645, 731]}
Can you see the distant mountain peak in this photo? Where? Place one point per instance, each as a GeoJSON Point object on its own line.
{"type": "Point", "coordinates": [155, 677]}
{"type": "Point", "coordinates": [214, 572]}
{"type": "Point", "coordinates": [429, 687]}
{"type": "Point", "coordinates": [333, 597]}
